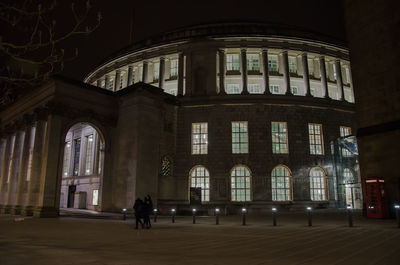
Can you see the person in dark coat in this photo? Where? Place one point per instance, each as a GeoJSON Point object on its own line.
{"type": "Point", "coordinates": [148, 209]}
{"type": "Point", "coordinates": [139, 209]}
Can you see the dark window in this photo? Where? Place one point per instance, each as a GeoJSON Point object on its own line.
{"type": "Point", "coordinates": [77, 153]}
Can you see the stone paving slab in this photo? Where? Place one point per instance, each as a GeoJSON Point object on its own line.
{"type": "Point", "coordinates": [70, 240]}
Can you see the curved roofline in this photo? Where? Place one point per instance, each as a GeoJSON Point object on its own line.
{"type": "Point", "coordinates": [221, 30]}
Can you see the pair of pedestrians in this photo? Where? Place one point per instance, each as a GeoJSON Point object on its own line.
{"type": "Point", "coordinates": [143, 209]}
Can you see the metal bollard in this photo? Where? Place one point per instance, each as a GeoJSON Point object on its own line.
{"type": "Point", "coordinates": [155, 215]}
{"type": "Point", "coordinates": [350, 215]}
{"type": "Point", "coordinates": [397, 207]}
{"type": "Point", "coordinates": [124, 214]}
{"type": "Point", "coordinates": [194, 216]}
{"type": "Point", "coordinates": [274, 216]}
{"type": "Point", "coordinates": [173, 215]}
{"type": "Point", "coordinates": [244, 216]}
{"type": "Point", "coordinates": [217, 216]}
{"type": "Point", "coordinates": [309, 213]}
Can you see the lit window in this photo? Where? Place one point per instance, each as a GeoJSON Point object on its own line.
{"type": "Point", "coordinates": [67, 155]}
{"type": "Point", "coordinates": [292, 64]}
{"type": "Point", "coordinates": [312, 91]}
{"type": "Point", "coordinates": [254, 89]}
{"type": "Point", "coordinates": [156, 71]}
{"type": "Point", "coordinates": [240, 141]}
{"type": "Point", "coordinates": [347, 71]}
{"type": "Point", "coordinates": [233, 89]}
{"type": "Point", "coordinates": [294, 90]}
{"type": "Point", "coordinates": [77, 153]}
{"type": "Point", "coordinates": [200, 178]}
{"type": "Point", "coordinates": [334, 71]}
{"type": "Point", "coordinates": [274, 89]}
{"type": "Point", "coordinates": [316, 140]}
{"type": "Point", "coordinates": [199, 138]}
{"type": "Point", "coordinates": [121, 80]}
{"type": "Point", "coordinates": [347, 175]}
{"type": "Point", "coordinates": [253, 62]}
{"type": "Point", "coordinates": [240, 184]}
{"type": "Point", "coordinates": [318, 184]}
{"type": "Point", "coordinates": [279, 138]}
{"type": "Point", "coordinates": [281, 181]}
{"type": "Point", "coordinates": [95, 197]}
{"type": "Point", "coordinates": [273, 63]}
{"type": "Point", "coordinates": [30, 157]}
{"type": "Point", "coordinates": [166, 167]}
{"type": "Point", "coordinates": [232, 62]}
{"type": "Point", "coordinates": [345, 131]}
{"type": "Point", "coordinates": [89, 155]}
{"type": "Point", "coordinates": [111, 84]}
{"type": "Point", "coordinates": [311, 67]}
{"type": "Point", "coordinates": [174, 68]}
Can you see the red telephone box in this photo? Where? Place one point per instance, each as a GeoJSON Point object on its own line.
{"type": "Point", "coordinates": [375, 198]}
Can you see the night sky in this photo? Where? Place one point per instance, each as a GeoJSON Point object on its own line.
{"type": "Point", "coordinates": [155, 17]}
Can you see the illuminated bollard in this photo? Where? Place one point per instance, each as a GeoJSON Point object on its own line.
{"type": "Point", "coordinates": [350, 215]}
{"type": "Point", "coordinates": [274, 210]}
{"type": "Point", "coordinates": [155, 211]}
{"type": "Point", "coordinates": [194, 215]}
{"type": "Point", "coordinates": [173, 215]}
{"type": "Point", "coordinates": [217, 216]}
{"type": "Point", "coordinates": [124, 214]}
{"type": "Point", "coordinates": [397, 207]}
{"type": "Point", "coordinates": [309, 214]}
{"type": "Point", "coordinates": [244, 216]}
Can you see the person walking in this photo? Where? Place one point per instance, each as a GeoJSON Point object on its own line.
{"type": "Point", "coordinates": [139, 208]}
{"type": "Point", "coordinates": [148, 209]}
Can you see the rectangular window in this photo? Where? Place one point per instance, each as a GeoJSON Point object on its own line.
{"type": "Point", "coordinates": [232, 62]}
{"type": "Point", "coordinates": [312, 91]}
{"type": "Point", "coordinates": [174, 68]}
{"type": "Point", "coordinates": [111, 84]}
{"type": "Point", "coordinates": [311, 67]}
{"type": "Point", "coordinates": [334, 71]}
{"type": "Point", "coordinates": [294, 90]}
{"type": "Point", "coordinates": [67, 155]}
{"type": "Point", "coordinates": [254, 89]}
{"type": "Point", "coordinates": [156, 71]}
{"type": "Point", "coordinates": [95, 197]}
{"type": "Point", "coordinates": [253, 62]}
{"type": "Point", "coordinates": [347, 71]}
{"type": "Point", "coordinates": [274, 89]}
{"type": "Point", "coordinates": [345, 131]}
{"type": "Point", "coordinates": [233, 89]}
{"type": "Point", "coordinates": [316, 139]}
{"type": "Point", "coordinates": [121, 81]}
{"type": "Point", "coordinates": [273, 63]}
{"type": "Point", "coordinates": [77, 153]}
{"type": "Point", "coordinates": [292, 64]}
{"type": "Point", "coordinates": [240, 142]}
{"type": "Point", "coordinates": [89, 155]}
{"type": "Point", "coordinates": [199, 138]}
{"type": "Point", "coordinates": [279, 138]}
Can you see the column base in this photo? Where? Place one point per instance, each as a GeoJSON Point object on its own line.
{"type": "Point", "coordinates": [45, 212]}
{"type": "Point", "coordinates": [6, 209]}
{"type": "Point", "coordinates": [27, 211]}
{"type": "Point", "coordinates": [17, 210]}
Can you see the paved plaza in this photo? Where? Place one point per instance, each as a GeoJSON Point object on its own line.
{"type": "Point", "coordinates": [111, 240]}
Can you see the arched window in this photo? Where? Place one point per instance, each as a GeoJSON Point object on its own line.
{"type": "Point", "coordinates": [281, 181]}
{"type": "Point", "coordinates": [200, 178]}
{"type": "Point", "coordinates": [240, 184]}
{"type": "Point", "coordinates": [318, 184]}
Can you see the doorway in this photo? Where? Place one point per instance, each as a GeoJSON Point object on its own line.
{"type": "Point", "coordinates": [71, 196]}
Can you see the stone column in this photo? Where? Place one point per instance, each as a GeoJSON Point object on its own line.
{"type": "Point", "coordinates": [130, 73]}
{"type": "Point", "coordinates": [221, 69]}
{"type": "Point", "coordinates": [13, 181]}
{"type": "Point", "coordinates": [161, 73]}
{"type": "Point", "coordinates": [23, 167]}
{"type": "Point", "coordinates": [244, 71]}
{"type": "Point", "coordinates": [306, 75]}
{"type": "Point", "coordinates": [107, 81]}
{"type": "Point", "coordinates": [4, 169]}
{"type": "Point", "coordinates": [324, 81]}
{"type": "Point", "coordinates": [50, 181]}
{"type": "Point", "coordinates": [265, 71]}
{"type": "Point", "coordinates": [98, 82]}
{"type": "Point", "coordinates": [36, 169]}
{"type": "Point", "coordinates": [180, 74]}
{"type": "Point", "coordinates": [117, 79]}
{"type": "Point", "coordinates": [339, 79]}
{"type": "Point", "coordinates": [145, 72]}
{"type": "Point", "coordinates": [286, 74]}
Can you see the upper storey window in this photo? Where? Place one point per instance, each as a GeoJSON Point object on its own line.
{"type": "Point", "coordinates": [174, 68]}
{"type": "Point", "coordinates": [156, 71]}
{"type": "Point", "coordinates": [292, 64]}
{"type": "Point", "coordinates": [316, 140]}
{"type": "Point", "coordinates": [254, 89]}
{"type": "Point", "coordinates": [240, 141]}
{"type": "Point", "coordinates": [232, 62]}
{"type": "Point", "coordinates": [111, 84]}
{"type": "Point", "coordinates": [199, 138]}
{"type": "Point", "coordinates": [345, 131]}
{"type": "Point", "coordinates": [311, 67]}
{"type": "Point", "coordinates": [274, 89]}
{"type": "Point", "coordinates": [253, 62]}
{"type": "Point", "coordinates": [279, 138]}
{"type": "Point", "coordinates": [233, 89]}
{"type": "Point", "coordinates": [273, 63]}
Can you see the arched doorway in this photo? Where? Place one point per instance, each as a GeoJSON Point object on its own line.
{"type": "Point", "coordinates": [82, 171]}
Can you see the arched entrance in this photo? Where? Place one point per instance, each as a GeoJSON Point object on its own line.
{"type": "Point", "coordinates": [82, 171]}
